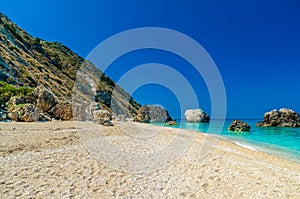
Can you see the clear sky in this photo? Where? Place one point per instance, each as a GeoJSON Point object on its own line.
{"type": "Point", "coordinates": [255, 44]}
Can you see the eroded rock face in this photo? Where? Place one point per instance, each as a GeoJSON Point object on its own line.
{"type": "Point", "coordinates": [283, 118]}
{"type": "Point", "coordinates": [239, 126]}
{"type": "Point", "coordinates": [152, 113]}
{"type": "Point", "coordinates": [196, 115]}
{"type": "Point", "coordinates": [63, 111]}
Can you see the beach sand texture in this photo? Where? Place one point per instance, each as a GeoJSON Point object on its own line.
{"type": "Point", "coordinates": [49, 160]}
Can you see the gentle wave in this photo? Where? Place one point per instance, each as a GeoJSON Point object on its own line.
{"type": "Point", "coordinates": [245, 146]}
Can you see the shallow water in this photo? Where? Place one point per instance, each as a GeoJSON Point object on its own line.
{"type": "Point", "coordinates": [279, 141]}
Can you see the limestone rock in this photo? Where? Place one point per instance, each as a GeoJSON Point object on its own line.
{"type": "Point", "coordinates": [45, 117]}
{"type": "Point", "coordinates": [25, 113]}
{"type": "Point", "coordinates": [152, 113]}
{"type": "Point", "coordinates": [45, 99]}
{"type": "Point", "coordinates": [282, 118]}
{"type": "Point", "coordinates": [196, 115]}
{"type": "Point", "coordinates": [63, 111]}
{"type": "Point", "coordinates": [102, 117]}
{"type": "Point", "coordinates": [239, 126]}
{"type": "Point", "coordinates": [172, 123]}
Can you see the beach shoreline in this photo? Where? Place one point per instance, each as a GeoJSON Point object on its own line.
{"type": "Point", "coordinates": [52, 160]}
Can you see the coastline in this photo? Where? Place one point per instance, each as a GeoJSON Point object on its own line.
{"type": "Point", "coordinates": [49, 160]}
{"type": "Point", "coordinates": [262, 143]}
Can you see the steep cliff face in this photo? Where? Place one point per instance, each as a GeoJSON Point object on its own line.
{"type": "Point", "coordinates": [31, 62]}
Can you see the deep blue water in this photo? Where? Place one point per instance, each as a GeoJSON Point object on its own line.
{"type": "Point", "coordinates": [279, 141]}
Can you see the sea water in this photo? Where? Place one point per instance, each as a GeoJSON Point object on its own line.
{"type": "Point", "coordinates": [282, 142]}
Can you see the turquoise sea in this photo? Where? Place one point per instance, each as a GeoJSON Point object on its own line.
{"type": "Point", "coordinates": [278, 141]}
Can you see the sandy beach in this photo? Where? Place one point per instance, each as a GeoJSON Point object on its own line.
{"type": "Point", "coordinates": [53, 160]}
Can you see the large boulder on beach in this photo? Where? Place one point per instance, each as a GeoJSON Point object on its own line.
{"type": "Point", "coordinates": [102, 117]}
{"type": "Point", "coordinates": [239, 126]}
{"type": "Point", "coordinates": [196, 115]}
{"type": "Point", "coordinates": [45, 99]}
{"type": "Point", "coordinates": [152, 113]}
{"type": "Point", "coordinates": [63, 111]}
{"type": "Point", "coordinates": [283, 118]}
{"type": "Point", "coordinates": [24, 113]}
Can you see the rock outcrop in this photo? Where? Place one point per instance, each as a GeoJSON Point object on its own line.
{"type": "Point", "coordinates": [55, 72]}
{"type": "Point", "coordinates": [196, 115]}
{"type": "Point", "coordinates": [282, 118]}
{"type": "Point", "coordinates": [239, 126]}
{"type": "Point", "coordinates": [152, 113]}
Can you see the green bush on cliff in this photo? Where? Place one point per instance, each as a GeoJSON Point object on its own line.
{"type": "Point", "coordinates": [7, 91]}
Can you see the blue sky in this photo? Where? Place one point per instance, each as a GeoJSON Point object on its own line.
{"type": "Point", "coordinates": [255, 44]}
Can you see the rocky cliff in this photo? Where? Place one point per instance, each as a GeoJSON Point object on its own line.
{"type": "Point", "coordinates": [27, 62]}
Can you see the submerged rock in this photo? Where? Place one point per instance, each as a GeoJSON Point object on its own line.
{"type": "Point", "coordinates": [152, 113]}
{"type": "Point", "coordinates": [239, 126]}
{"type": "Point", "coordinates": [282, 118]}
{"type": "Point", "coordinates": [196, 115]}
{"type": "Point", "coordinates": [172, 123]}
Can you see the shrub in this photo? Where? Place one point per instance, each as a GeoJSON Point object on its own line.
{"type": "Point", "coordinates": [7, 91]}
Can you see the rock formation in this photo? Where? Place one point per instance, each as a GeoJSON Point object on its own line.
{"type": "Point", "coordinates": [52, 70]}
{"type": "Point", "coordinates": [24, 113]}
{"type": "Point", "coordinates": [196, 115]}
{"type": "Point", "coordinates": [152, 113]}
{"type": "Point", "coordinates": [45, 99]}
{"type": "Point", "coordinates": [172, 123]}
{"type": "Point", "coordinates": [63, 111]}
{"type": "Point", "coordinates": [282, 118]}
{"type": "Point", "coordinates": [239, 126]}
{"type": "Point", "coordinates": [102, 117]}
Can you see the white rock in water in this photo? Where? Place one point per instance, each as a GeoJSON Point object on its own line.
{"type": "Point", "coordinates": [196, 115]}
